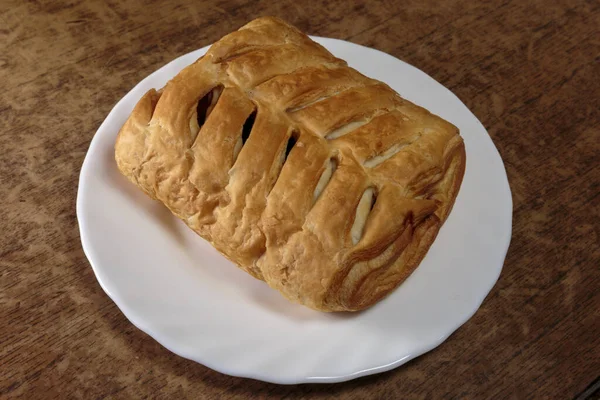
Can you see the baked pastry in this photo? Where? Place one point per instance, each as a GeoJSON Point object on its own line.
{"type": "Point", "coordinates": [320, 181]}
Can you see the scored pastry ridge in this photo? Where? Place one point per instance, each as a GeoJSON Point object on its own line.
{"type": "Point", "coordinates": [308, 175]}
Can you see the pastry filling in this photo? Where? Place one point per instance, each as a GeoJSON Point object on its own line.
{"type": "Point", "coordinates": [365, 205]}
{"type": "Point", "coordinates": [389, 153]}
{"type": "Point", "coordinates": [344, 130]}
{"type": "Point", "coordinates": [330, 167]}
{"type": "Point", "coordinates": [310, 103]}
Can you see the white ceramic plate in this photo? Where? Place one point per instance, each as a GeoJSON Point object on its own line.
{"type": "Point", "coordinates": [175, 287]}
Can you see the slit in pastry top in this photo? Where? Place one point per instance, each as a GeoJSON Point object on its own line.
{"type": "Point", "coordinates": [351, 126]}
{"type": "Point", "coordinates": [345, 129]}
{"type": "Point", "coordinates": [290, 144]}
{"type": "Point", "coordinates": [203, 109]}
{"type": "Point", "coordinates": [330, 167]}
{"type": "Point", "coordinates": [389, 153]}
{"type": "Point", "coordinates": [246, 130]}
{"type": "Point", "coordinates": [365, 205]}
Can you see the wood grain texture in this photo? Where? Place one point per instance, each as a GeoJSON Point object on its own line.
{"type": "Point", "coordinates": [529, 70]}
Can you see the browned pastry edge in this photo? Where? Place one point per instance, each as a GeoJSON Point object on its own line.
{"type": "Point", "coordinates": [422, 239]}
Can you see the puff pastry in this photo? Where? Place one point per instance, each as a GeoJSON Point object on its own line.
{"type": "Point", "coordinates": [320, 181]}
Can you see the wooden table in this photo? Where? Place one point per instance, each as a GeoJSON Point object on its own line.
{"type": "Point", "coordinates": [530, 71]}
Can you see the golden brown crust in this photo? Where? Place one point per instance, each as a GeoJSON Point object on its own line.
{"type": "Point", "coordinates": [322, 182]}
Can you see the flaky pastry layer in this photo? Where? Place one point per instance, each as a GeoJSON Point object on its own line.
{"type": "Point", "coordinates": [320, 181]}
